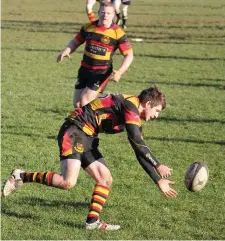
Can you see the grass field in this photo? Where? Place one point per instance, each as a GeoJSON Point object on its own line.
{"type": "Point", "coordinates": [183, 52]}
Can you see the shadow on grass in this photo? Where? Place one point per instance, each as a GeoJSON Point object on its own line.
{"type": "Point", "coordinates": [200, 121]}
{"type": "Point", "coordinates": [19, 215]}
{"type": "Point", "coordinates": [34, 201]}
{"type": "Point", "coordinates": [136, 55]}
{"type": "Point", "coordinates": [73, 28]}
{"type": "Point", "coordinates": [178, 57]}
{"type": "Point", "coordinates": [29, 135]}
{"type": "Point", "coordinates": [70, 224]}
{"type": "Point", "coordinates": [217, 79]}
{"type": "Point", "coordinates": [162, 119]}
{"type": "Point", "coordinates": [222, 143]}
{"type": "Point", "coordinates": [219, 86]}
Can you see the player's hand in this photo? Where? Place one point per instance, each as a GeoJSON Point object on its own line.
{"type": "Point", "coordinates": [63, 55]}
{"type": "Point", "coordinates": [115, 76]}
{"type": "Point", "coordinates": [164, 171]}
{"type": "Point", "coordinates": [164, 186]}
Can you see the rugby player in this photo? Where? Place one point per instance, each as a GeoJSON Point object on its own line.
{"type": "Point", "coordinates": [102, 38]}
{"type": "Point", "coordinates": [78, 144]}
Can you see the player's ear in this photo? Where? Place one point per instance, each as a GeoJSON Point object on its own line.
{"type": "Point", "coordinates": [148, 104]}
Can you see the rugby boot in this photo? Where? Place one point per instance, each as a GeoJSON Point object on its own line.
{"type": "Point", "coordinates": [101, 226]}
{"type": "Point", "coordinates": [14, 182]}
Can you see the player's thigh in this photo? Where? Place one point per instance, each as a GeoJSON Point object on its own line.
{"type": "Point", "coordinates": [99, 81]}
{"type": "Point", "coordinates": [70, 169]}
{"type": "Point", "coordinates": [77, 97]}
{"type": "Point", "coordinates": [117, 4]}
{"type": "Point", "coordinates": [125, 10]}
{"type": "Point", "coordinates": [100, 172]}
{"type": "Point", "coordinates": [87, 96]}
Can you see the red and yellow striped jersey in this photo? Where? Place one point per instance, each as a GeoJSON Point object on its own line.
{"type": "Point", "coordinates": [112, 114]}
{"type": "Point", "coordinates": [108, 114]}
{"type": "Point", "coordinates": [101, 44]}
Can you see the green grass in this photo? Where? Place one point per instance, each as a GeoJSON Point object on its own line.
{"type": "Point", "coordinates": [183, 53]}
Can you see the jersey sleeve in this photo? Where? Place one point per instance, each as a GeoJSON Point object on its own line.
{"type": "Point", "coordinates": [80, 37]}
{"type": "Point", "coordinates": [134, 133]}
{"type": "Point", "coordinates": [123, 42]}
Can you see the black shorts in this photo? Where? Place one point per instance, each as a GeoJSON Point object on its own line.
{"type": "Point", "coordinates": [93, 79]}
{"type": "Point", "coordinates": [126, 2]}
{"type": "Point", "coordinates": [75, 144]}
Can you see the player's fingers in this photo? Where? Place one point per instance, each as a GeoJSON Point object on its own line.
{"type": "Point", "coordinates": [170, 182]}
{"type": "Point", "coordinates": [167, 194]}
{"type": "Point", "coordinates": [59, 58]}
{"type": "Point", "coordinates": [111, 77]}
{"type": "Point", "coordinates": [171, 194]}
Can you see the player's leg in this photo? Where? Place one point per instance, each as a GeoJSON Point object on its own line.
{"type": "Point", "coordinates": [94, 164]}
{"type": "Point", "coordinates": [70, 167]}
{"type": "Point", "coordinates": [124, 15]}
{"type": "Point", "coordinates": [89, 9]}
{"type": "Point", "coordinates": [77, 97]}
{"type": "Point", "coordinates": [87, 96]}
{"type": "Point", "coordinates": [66, 180]}
{"type": "Point", "coordinates": [80, 85]}
{"type": "Point", "coordinates": [117, 4]}
{"type": "Point", "coordinates": [95, 85]}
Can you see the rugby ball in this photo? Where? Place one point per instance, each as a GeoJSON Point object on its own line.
{"type": "Point", "coordinates": [196, 176]}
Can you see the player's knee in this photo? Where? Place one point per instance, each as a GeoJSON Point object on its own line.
{"type": "Point", "coordinates": [109, 181]}
{"type": "Point", "coordinates": [105, 181]}
{"type": "Point", "coordinates": [69, 184]}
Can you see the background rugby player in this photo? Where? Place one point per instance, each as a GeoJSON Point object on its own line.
{"type": "Point", "coordinates": [125, 5]}
{"type": "Point", "coordinates": [103, 37]}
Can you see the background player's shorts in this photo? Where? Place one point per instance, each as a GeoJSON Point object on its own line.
{"type": "Point", "coordinates": [126, 2]}
{"type": "Point", "coordinates": [75, 144]}
{"type": "Point", "coordinates": [93, 79]}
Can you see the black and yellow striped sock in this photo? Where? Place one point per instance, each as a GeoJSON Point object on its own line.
{"type": "Point", "coordinates": [98, 200]}
{"type": "Point", "coordinates": [44, 178]}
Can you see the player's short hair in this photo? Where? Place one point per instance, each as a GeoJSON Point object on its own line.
{"type": "Point", "coordinates": [106, 3]}
{"type": "Point", "coordinates": [154, 95]}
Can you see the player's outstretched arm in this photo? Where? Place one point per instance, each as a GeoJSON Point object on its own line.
{"type": "Point", "coordinates": [70, 48]}
{"type": "Point", "coordinates": [127, 60]}
{"type": "Point", "coordinates": [164, 171]}
{"type": "Point", "coordinates": [164, 186]}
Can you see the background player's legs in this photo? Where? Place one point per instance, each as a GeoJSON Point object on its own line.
{"type": "Point", "coordinates": [117, 9]}
{"type": "Point", "coordinates": [77, 97]}
{"type": "Point", "coordinates": [124, 15]}
{"type": "Point", "coordinates": [87, 96]}
{"type": "Point", "coordinates": [89, 9]}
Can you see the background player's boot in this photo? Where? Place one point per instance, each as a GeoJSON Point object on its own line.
{"type": "Point", "coordinates": [101, 225]}
{"type": "Point", "coordinates": [14, 182]}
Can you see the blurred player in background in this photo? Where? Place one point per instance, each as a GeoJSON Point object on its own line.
{"type": "Point", "coordinates": [102, 38]}
{"type": "Point", "coordinates": [89, 9]}
{"type": "Point", "coordinates": [78, 144]}
{"type": "Point", "coordinates": [90, 5]}
{"type": "Point", "coordinates": [125, 5]}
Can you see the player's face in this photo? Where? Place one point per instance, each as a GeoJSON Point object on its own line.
{"type": "Point", "coordinates": [151, 112]}
{"type": "Point", "coordinates": [106, 15]}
